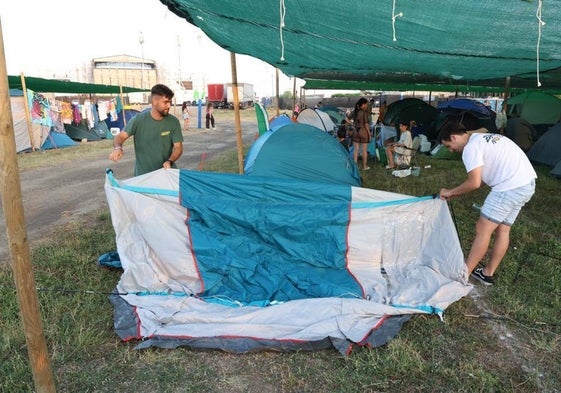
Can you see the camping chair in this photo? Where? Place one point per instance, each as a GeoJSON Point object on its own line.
{"type": "Point", "coordinates": [406, 158]}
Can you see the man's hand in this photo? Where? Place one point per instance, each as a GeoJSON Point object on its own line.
{"type": "Point", "coordinates": [445, 194]}
{"type": "Point", "coordinates": [118, 141]}
{"type": "Point", "coordinates": [116, 154]}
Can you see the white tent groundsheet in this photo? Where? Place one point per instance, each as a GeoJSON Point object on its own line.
{"type": "Point", "coordinates": [245, 263]}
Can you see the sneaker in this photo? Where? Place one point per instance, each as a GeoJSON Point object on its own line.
{"type": "Point", "coordinates": [389, 167]}
{"type": "Point", "coordinates": [366, 168]}
{"type": "Point", "coordinates": [478, 275]}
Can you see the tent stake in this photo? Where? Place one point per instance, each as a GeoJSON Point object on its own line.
{"type": "Point", "coordinates": [12, 205]}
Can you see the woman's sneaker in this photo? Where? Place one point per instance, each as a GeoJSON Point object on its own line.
{"type": "Point", "coordinates": [478, 275]}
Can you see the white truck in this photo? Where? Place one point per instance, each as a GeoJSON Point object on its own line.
{"type": "Point", "coordinates": [246, 95]}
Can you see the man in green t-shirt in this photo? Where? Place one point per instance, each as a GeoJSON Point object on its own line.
{"type": "Point", "coordinates": [158, 141]}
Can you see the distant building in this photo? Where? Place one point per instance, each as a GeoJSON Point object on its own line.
{"type": "Point", "coordinates": [124, 70]}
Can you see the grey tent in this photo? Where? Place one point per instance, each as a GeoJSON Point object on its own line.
{"type": "Point", "coordinates": [521, 132]}
{"type": "Point", "coordinates": [547, 149]}
{"type": "Point", "coordinates": [556, 171]}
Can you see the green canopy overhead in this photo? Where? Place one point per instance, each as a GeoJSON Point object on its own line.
{"type": "Point", "coordinates": [409, 43]}
{"type": "Point", "coordinates": [56, 86]}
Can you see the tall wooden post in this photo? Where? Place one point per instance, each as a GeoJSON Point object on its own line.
{"type": "Point", "coordinates": [27, 112]}
{"type": "Point", "coordinates": [123, 104]}
{"type": "Point", "coordinates": [506, 94]}
{"type": "Point", "coordinates": [239, 141]}
{"type": "Point", "coordinates": [12, 205]}
{"type": "Point", "coordinates": [293, 93]}
{"type": "Point", "coordinates": [277, 91]}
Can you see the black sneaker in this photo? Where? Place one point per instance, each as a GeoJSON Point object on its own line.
{"type": "Point", "coordinates": [478, 275]}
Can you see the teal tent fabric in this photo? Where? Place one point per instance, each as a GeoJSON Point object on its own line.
{"type": "Point", "coordinates": [56, 140]}
{"type": "Point", "coordinates": [301, 151]}
{"type": "Point", "coordinates": [353, 259]}
{"type": "Point", "coordinates": [237, 263]}
{"type": "Point", "coordinates": [81, 132]}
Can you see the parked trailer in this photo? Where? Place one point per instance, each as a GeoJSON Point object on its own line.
{"type": "Point", "coordinates": [246, 95]}
{"type": "Point", "coordinates": [216, 94]}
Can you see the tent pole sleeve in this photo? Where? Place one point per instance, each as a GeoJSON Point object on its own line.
{"type": "Point", "coordinates": [12, 205]}
{"type": "Point", "coordinates": [235, 92]}
{"type": "Point", "coordinates": [27, 113]}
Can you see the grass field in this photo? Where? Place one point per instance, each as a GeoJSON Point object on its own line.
{"type": "Point", "coordinates": [506, 338]}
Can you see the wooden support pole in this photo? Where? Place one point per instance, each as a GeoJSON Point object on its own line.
{"type": "Point", "coordinates": [239, 141]}
{"type": "Point", "coordinates": [27, 112]}
{"type": "Point", "coordinates": [293, 93]}
{"type": "Point", "coordinates": [123, 104]}
{"type": "Point", "coordinates": [277, 91]}
{"type": "Point", "coordinates": [12, 205]}
{"type": "Point", "coordinates": [506, 94]}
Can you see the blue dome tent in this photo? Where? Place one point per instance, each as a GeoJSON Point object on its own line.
{"type": "Point", "coordinates": [301, 151]}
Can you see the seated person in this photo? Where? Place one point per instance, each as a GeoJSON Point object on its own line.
{"type": "Point", "coordinates": [414, 128]}
{"type": "Point", "coordinates": [342, 135]}
{"type": "Point", "coordinates": [400, 147]}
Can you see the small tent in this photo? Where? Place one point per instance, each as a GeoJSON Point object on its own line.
{"type": "Point", "coordinates": [317, 118]}
{"type": "Point", "coordinates": [413, 109]}
{"type": "Point", "coordinates": [120, 122]}
{"type": "Point", "coordinates": [57, 140]}
{"type": "Point", "coordinates": [279, 121]}
{"type": "Point", "coordinates": [81, 132]}
{"type": "Point", "coordinates": [301, 151]}
{"type": "Point", "coordinates": [21, 132]}
{"type": "Point", "coordinates": [472, 114]}
{"type": "Point", "coordinates": [536, 107]}
{"type": "Point", "coordinates": [521, 132]}
{"type": "Point", "coordinates": [547, 149]}
{"type": "Point", "coordinates": [41, 136]}
{"type": "Point", "coordinates": [333, 112]}
{"type": "Point", "coordinates": [249, 263]}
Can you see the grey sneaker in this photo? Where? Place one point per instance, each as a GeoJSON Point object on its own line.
{"type": "Point", "coordinates": [478, 275]}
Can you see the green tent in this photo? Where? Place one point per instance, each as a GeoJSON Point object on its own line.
{"type": "Point", "coordinates": [535, 107]}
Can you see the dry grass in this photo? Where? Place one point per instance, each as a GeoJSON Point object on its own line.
{"type": "Point", "coordinates": [506, 338]}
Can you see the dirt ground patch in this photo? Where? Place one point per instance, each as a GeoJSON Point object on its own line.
{"type": "Point", "coordinates": [55, 195]}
